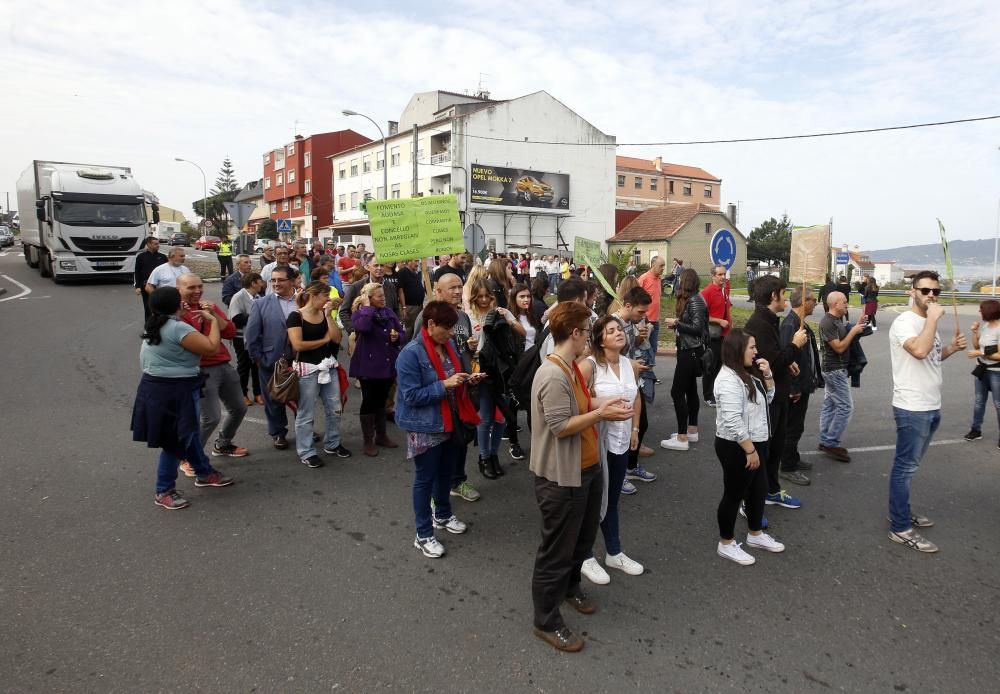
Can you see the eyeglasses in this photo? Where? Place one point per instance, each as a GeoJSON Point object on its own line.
{"type": "Point", "coordinates": [927, 290]}
{"type": "Point", "coordinates": [586, 330]}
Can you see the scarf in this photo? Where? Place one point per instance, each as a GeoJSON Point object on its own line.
{"type": "Point", "coordinates": [466, 412]}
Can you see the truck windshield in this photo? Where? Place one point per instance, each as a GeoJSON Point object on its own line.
{"type": "Point", "coordinates": [89, 214]}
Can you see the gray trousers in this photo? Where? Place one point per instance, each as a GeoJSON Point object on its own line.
{"type": "Point", "coordinates": [222, 387]}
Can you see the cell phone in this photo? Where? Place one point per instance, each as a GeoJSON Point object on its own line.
{"type": "Point", "coordinates": [756, 358]}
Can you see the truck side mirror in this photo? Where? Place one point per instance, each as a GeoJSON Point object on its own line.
{"type": "Point", "coordinates": [40, 210]}
{"type": "Point", "coordinates": [156, 214]}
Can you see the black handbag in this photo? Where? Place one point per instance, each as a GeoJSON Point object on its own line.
{"type": "Point", "coordinates": [980, 371]}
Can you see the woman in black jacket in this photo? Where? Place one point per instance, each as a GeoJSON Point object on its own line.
{"type": "Point", "coordinates": [691, 326]}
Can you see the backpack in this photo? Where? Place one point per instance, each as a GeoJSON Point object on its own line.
{"type": "Point", "coordinates": [524, 372]}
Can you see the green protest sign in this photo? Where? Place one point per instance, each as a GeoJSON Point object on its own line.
{"type": "Point", "coordinates": [588, 251]}
{"type": "Point", "coordinates": [404, 229]}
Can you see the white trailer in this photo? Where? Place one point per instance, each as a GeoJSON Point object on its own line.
{"type": "Point", "coordinates": [89, 222]}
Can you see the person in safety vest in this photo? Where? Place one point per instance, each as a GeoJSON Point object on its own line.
{"type": "Point", "coordinates": [225, 257]}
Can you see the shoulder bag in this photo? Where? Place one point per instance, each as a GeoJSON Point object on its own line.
{"type": "Point", "coordinates": [284, 384]}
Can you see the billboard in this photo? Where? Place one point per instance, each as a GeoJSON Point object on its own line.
{"type": "Point", "coordinates": [498, 185]}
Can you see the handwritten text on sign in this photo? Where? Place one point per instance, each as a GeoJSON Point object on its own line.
{"type": "Point", "coordinates": [415, 228]}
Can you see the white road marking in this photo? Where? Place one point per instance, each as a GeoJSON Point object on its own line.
{"type": "Point", "coordinates": [254, 420]}
{"type": "Point", "coordinates": [875, 449]}
{"type": "Point", "coordinates": [25, 290]}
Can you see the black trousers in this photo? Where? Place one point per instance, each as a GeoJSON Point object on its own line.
{"type": "Point", "coordinates": [633, 456]}
{"type": "Point", "coordinates": [510, 430]}
{"type": "Point", "coordinates": [776, 446]}
{"type": "Point", "coordinates": [225, 265]}
{"type": "Point", "coordinates": [145, 304]}
{"type": "Point", "coordinates": [570, 518]}
{"type": "Point", "coordinates": [740, 485]}
{"type": "Point", "coordinates": [684, 389]}
{"type": "Point", "coordinates": [708, 380]}
{"type": "Point", "coordinates": [374, 392]}
{"type": "Point", "coordinates": [793, 432]}
{"type": "Point", "coordinates": [244, 367]}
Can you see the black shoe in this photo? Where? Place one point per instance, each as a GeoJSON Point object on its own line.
{"type": "Point", "coordinates": [973, 435]}
{"type": "Point", "coordinates": [486, 469]}
{"type": "Point", "coordinates": [280, 442]}
{"type": "Point", "coordinates": [516, 453]}
{"type": "Point", "coordinates": [316, 437]}
{"type": "Point", "coordinates": [495, 464]}
{"type": "Point", "coordinates": [339, 451]}
{"type": "Point", "coordinates": [313, 461]}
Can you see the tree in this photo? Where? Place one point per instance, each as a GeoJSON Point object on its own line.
{"type": "Point", "coordinates": [268, 229]}
{"type": "Point", "coordinates": [226, 182]}
{"type": "Point", "coordinates": [773, 239]}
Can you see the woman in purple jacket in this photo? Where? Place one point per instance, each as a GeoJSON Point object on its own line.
{"type": "Point", "coordinates": [379, 336]}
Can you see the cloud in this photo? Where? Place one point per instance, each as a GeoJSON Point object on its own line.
{"type": "Point", "coordinates": [94, 82]}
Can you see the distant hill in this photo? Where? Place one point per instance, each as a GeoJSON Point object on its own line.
{"type": "Point", "coordinates": [930, 254]}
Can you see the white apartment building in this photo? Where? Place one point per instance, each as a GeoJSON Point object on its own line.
{"type": "Point", "coordinates": [887, 271]}
{"type": "Point", "coordinates": [500, 158]}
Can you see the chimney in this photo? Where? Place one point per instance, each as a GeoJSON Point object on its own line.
{"type": "Point", "coordinates": [731, 212]}
{"type": "Point", "coordinates": [658, 163]}
{"type": "Point", "coordinates": [299, 137]}
{"type": "Point", "coordinates": [393, 128]}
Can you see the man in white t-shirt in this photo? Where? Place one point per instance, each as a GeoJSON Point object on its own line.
{"type": "Point", "coordinates": [166, 275]}
{"type": "Point", "coordinates": [917, 353]}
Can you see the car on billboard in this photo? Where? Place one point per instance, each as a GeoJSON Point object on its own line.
{"type": "Point", "coordinates": [530, 188]}
{"type": "Point", "coordinates": [207, 243]}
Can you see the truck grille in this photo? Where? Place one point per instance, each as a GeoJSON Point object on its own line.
{"type": "Point", "coordinates": [97, 245]}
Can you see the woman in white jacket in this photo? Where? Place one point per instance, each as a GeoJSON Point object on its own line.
{"type": "Point", "coordinates": [743, 390]}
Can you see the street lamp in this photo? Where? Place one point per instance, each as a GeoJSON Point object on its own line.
{"type": "Point", "coordinates": [204, 184]}
{"type": "Point", "coordinates": [385, 152]}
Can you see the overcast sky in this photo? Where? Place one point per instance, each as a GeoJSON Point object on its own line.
{"type": "Point", "coordinates": [142, 82]}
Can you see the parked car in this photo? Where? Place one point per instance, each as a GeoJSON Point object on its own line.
{"type": "Point", "coordinates": [6, 238]}
{"type": "Point", "coordinates": [260, 244]}
{"type": "Point", "coordinates": [179, 238]}
{"type": "Point", "coordinates": [531, 188]}
{"type": "Point", "coordinates": [207, 243]}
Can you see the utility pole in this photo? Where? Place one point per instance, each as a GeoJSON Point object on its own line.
{"type": "Point", "coordinates": [416, 178]}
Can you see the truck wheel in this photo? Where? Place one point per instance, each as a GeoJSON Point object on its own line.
{"type": "Point", "coordinates": [45, 264]}
{"type": "Point", "coordinates": [31, 256]}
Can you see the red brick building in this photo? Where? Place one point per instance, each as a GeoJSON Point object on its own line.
{"type": "Point", "coordinates": [298, 181]}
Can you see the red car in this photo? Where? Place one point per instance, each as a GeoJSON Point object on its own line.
{"type": "Point", "coordinates": [207, 243]}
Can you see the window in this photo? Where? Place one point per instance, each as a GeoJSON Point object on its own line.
{"type": "Point", "coordinates": [708, 191]}
{"type": "Point", "coordinates": [638, 182]}
{"type": "Point", "coordinates": [366, 194]}
{"type": "Point", "coordinates": [395, 191]}
{"type": "Point", "coordinates": [670, 187]}
{"type": "Point", "coordinates": [621, 181]}
{"type": "Point", "coordinates": [291, 175]}
{"type": "Point", "coordinates": [309, 208]}
{"type": "Point", "coordinates": [708, 227]}
{"type": "Point", "coordinates": [291, 149]}
{"type": "Point", "coordinates": [687, 188]}
{"type": "Point", "coordinates": [621, 203]}
{"type": "Point", "coordinates": [379, 160]}
{"type": "Point", "coordinates": [307, 159]}
{"type": "Point", "coordinates": [267, 158]}
{"type": "Point", "coordinates": [308, 186]}
{"type": "Point", "coordinates": [354, 201]}
{"type": "Point", "coordinates": [284, 205]}
{"type": "Point", "coordinates": [274, 208]}
{"type": "Point", "coordinates": [341, 172]}
{"type": "Point", "coordinates": [394, 158]}
{"type": "Point", "coordinates": [380, 193]}
{"type": "Point", "coordinates": [298, 203]}
{"type": "Point", "coordinates": [267, 182]}
{"type": "Point", "coordinates": [366, 163]}
{"type": "Point", "coordinates": [354, 167]}
{"type": "Point", "coordinates": [279, 178]}
{"type": "Point", "coordinates": [652, 184]}
{"type": "Point", "coordinates": [342, 203]}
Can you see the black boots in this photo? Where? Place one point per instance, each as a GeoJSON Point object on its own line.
{"type": "Point", "coordinates": [486, 468]}
{"type": "Point", "coordinates": [381, 437]}
{"type": "Point", "coordinates": [368, 431]}
{"type": "Point", "coordinates": [495, 464]}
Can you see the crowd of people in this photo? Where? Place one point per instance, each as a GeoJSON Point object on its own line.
{"type": "Point", "coordinates": [455, 367]}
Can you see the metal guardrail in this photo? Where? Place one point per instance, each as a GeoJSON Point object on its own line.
{"type": "Point", "coordinates": [441, 158]}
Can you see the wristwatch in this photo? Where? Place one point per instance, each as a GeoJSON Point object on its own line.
{"type": "Point", "coordinates": [635, 429]}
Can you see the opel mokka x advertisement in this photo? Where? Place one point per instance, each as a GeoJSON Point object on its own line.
{"type": "Point", "coordinates": [496, 185]}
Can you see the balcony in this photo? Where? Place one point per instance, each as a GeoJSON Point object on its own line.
{"type": "Point", "coordinates": [441, 158]}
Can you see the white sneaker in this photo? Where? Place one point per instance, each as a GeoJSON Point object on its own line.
{"type": "Point", "coordinates": [430, 547]}
{"type": "Point", "coordinates": [452, 525]}
{"type": "Point", "coordinates": [692, 438]}
{"type": "Point", "coordinates": [674, 444]}
{"type": "Point", "coordinates": [735, 553]}
{"type": "Point", "coordinates": [623, 563]}
{"type": "Point", "coordinates": [765, 541]}
{"type": "Point", "coordinates": [594, 572]}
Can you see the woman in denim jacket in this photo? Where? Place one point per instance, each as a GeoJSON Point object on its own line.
{"type": "Point", "coordinates": [433, 407]}
{"type": "Point", "coordinates": [742, 431]}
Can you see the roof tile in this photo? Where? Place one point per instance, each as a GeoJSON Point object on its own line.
{"type": "Point", "coordinates": [660, 223]}
{"type": "Point", "coordinates": [677, 170]}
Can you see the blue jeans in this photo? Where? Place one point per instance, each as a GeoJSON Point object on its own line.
{"type": "Point", "coordinates": [277, 418]}
{"type": "Point", "coordinates": [617, 463]}
{"type": "Point", "coordinates": [654, 340]}
{"type": "Point", "coordinates": [837, 408]}
{"type": "Point", "coordinates": [914, 431]}
{"type": "Point", "coordinates": [489, 432]}
{"type": "Point", "coordinates": [329, 393]}
{"type": "Point", "coordinates": [433, 478]}
{"type": "Point", "coordinates": [194, 453]}
{"type": "Point", "coordinates": [553, 282]}
{"type": "Point", "coordinates": [983, 389]}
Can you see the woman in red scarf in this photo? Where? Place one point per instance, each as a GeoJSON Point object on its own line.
{"type": "Point", "coordinates": [433, 407]}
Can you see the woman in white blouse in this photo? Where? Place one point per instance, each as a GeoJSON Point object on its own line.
{"type": "Point", "coordinates": [743, 390]}
{"type": "Point", "coordinates": [613, 376]}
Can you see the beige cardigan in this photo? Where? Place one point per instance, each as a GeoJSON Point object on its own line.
{"type": "Point", "coordinates": [553, 402]}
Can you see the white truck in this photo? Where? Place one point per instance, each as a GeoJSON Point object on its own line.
{"type": "Point", "coordinates": [163, 231]}
{"type": "Point", "coordinates": [89, 222]}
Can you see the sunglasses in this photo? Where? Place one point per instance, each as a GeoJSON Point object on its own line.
{"type": "Point", "coordinates": [927, 290]}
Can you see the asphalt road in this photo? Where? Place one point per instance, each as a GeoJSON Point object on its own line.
{"type": "Point", "coordinates": [306, 580]}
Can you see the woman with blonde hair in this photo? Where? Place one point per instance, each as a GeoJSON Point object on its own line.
{"type": "Point", "coordinates": [476, 274]}
{"type": "Point", "coordinates": [312, 331]}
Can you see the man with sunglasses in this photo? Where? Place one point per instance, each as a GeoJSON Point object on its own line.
{"type": "Point", "coordinates": [838, 405]}
{"type": "Point", "coordinates": [917, 352]}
